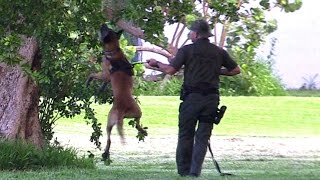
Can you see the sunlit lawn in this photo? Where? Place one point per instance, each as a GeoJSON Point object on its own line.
{"type": "Point", "coordinates": [245, 116]}
{"type": "Point", "coordinates": [275, 117]}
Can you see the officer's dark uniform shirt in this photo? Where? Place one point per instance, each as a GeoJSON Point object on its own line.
{"type": "Point", "coordinates": [203, 61]}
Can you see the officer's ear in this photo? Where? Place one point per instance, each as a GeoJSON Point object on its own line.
{"type": "Point", "coordinates": [197, 34]}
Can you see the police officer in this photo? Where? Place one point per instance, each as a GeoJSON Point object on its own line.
{"type": "Point", "coordinates": [203, 63]}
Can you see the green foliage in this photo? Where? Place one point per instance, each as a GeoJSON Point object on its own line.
{"type": "Point", "coordinates": [244, 38]}
{"type": "Point", "coordinates": [9, 45]}
{"type": "Point", "coordinates": [247, 18]}
{"type": "Point", "coordinates": [190, 18]}
{"type": "Point", "coordinates": [68, 38]}
{"type": "Point", "coordinates": [150, 88]}
{"type": "Point", "coordinates": [223, 9]}
{"type": "Point", "coordinates": [248, 31]}
{"type": "Point", "coordinates": [18, 155]}
{"type": "Point", "coordinates": [290, 7]}
{"type": "Point", "coordinates": [129, 51]}
{"type": "Point", "coordinates": [256, 79]}
{"type": "Point", "coordinates": [141, 136]}
{"type": "Point", "coordinates": [138, 69]}
{"type": "Point", "coordinates": [172, 87]}
{"type": "Point", "coordinates": [151, 16]}
{"type": "Point", "coordinates": [67, 35]}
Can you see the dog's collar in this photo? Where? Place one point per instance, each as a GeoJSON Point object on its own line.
{"type": "Point", "coordinates": [110, 54]}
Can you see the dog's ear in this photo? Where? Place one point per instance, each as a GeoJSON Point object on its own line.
{"type": "Point", "coordinates": [103, 32]}
{"type": "Point", "coordinates": [119, 33]}
{"type": "Point", "coordinates": [104, 27]}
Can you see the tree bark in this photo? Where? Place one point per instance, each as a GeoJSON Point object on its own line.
{"type": "Point", "coordinates": [19, 98]}
{"type": "Point", "coordinates": [162, 52]}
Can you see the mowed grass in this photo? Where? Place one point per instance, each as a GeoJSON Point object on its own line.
{"type": "Point", "coordinates": [275, 117]}
{"type": "Point", "coordinates": [245, 116]}
{"type": "Point", "coordinates": [286, 169]}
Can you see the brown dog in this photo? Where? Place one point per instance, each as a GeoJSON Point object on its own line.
{"type": "Point", "coordinates": [117, 70]}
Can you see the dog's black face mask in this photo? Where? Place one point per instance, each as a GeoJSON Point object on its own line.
{"type": "Point", "coordinates": [108, 35]}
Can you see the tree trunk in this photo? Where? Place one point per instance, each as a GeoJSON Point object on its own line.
{"type": "Point", "coordinates": [19, 98]}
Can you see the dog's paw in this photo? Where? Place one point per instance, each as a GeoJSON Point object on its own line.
{"type": "Point", "coordinates": [144, 132]}
{"type": "Point", "coordinates": [106, 158]}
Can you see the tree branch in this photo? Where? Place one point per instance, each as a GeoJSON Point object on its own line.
{"type": "Point", "coordinates": [175, 48]}
{"type": "Point", "coordinates": [162, 52]}
{"type": "Point", "coordinates": [174, 35]}
{"type": "Point", "coordinates": [205, 9]}
{"type": "Point", "coordinates": [239, 3]}
{"type": "Point", "coordinates": [185, 42]}
{"type": "Point", "coordinates": [226, 27]}
{"type": "Point", "coordinates": [128, 27]}
{"type": "Point", "coordinates": [215, 32]}
{"type": "Point", "coordinates": [224, 32]}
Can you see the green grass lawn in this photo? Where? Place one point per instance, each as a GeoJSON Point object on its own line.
{"type": "Point", "coordinates": [264, 117]}
{"type": "Point", "coordinates": [285, 169]}
{"type": "Point", "coordinates": [245, 116]}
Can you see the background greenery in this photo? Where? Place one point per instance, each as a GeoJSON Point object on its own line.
{"type": "Point", "coordinates": [304, 93]}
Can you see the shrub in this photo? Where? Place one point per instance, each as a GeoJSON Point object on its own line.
{"type": "Point", "coordinates": [172, 87]}
{"type": "Point", "coordinates": [150, 88]}
{"type": "Point", "coordinates": [255, 79]}
{"type": "Point", "coordinates": [18, 155]}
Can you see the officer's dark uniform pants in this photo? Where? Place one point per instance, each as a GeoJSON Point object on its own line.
{"type": "Point", "coordinates": [192, 143]}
